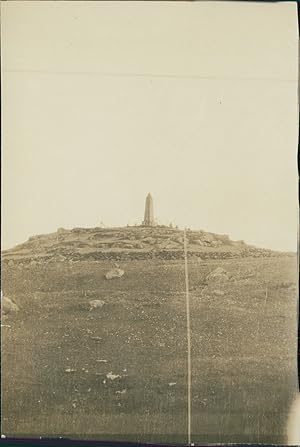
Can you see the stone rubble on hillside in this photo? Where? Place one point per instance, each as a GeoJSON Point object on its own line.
{"type": "Point", "coordinates": [219, 274]}
{"type": "Point", "coordinates": [218, 292]}
{"type": "Point", "coordinates": [287, 285]}
{"type": "Point", "coordinates": [112, 376]}
{"type": "Point", "coordinates": [124, 391]}
{"type": "Point", "coordinates": [114, 273]}
{"type": "Point", "coordinates": [125, 244]}
{"type": "Point", "coordinates": [95, 304]}
{"type": "Point", "coordinates": [7, 305]}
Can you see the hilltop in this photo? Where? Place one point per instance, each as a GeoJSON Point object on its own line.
{"type": "Point", "coordinates": [131, 242]}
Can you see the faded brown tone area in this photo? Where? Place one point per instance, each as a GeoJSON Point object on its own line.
{"type": "Point", "coordinates": [197, 103]}
{"type": "Point", "coordinates": [193, 101]}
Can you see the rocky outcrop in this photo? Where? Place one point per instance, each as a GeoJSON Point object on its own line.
{"type": "Point", "coordinates": [127, 243]}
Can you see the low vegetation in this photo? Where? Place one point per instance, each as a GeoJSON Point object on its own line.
{"type": "Point", "coordinates": [87, 356]}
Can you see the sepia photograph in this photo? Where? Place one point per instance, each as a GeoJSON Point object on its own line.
{"type": "Point", "coordinates": [149, 287]}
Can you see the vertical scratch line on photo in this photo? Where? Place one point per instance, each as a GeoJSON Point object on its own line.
{"type": "Point", "coordinates": [266, 293]}
{"type": "Point", "coordinates": [188, 328]}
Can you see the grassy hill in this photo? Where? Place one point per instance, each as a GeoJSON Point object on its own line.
{"type": "Point", "coordinates": [120, 371]}
{"type": "Point", "coordinates": [126, 243]}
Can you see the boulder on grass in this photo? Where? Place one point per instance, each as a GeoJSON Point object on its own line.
{"type": "Point", "coordinates": [219, 275]}
{"type": "Point", "coordinates": [95, 304]}
{"type": "Point", "coordinates": [8, 306]}
{"type": "Point", "coordinates": [114, 273]}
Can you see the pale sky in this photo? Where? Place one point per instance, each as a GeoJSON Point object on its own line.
{"type": "Point", "coordinates": [195, 102]}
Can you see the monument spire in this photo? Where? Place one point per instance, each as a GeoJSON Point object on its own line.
{"type": "Point", "coordinates": [149, 213]}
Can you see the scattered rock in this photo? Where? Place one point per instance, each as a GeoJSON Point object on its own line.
{"type": "Point", "coordinates": [287, 285]}
{"type": "Point", "coordinates": [8, 305]}
{"type": "Point", "coordinates": [179, 239]}
{"type": "Point", "coordinates": [112, 376]}
{"type": "Point", "coordinates": [218, 275]}
{"type": "Point", "coordinates": [11, 263]}
{"type": "Point", "coordinates": [60, 258]}
{"type": "Point", "coordinates": [38, 295]}
{"type": "Point", "coordinates": [218, 292]}
{"type": "Point", "coordinates": [169, 247]}
{"type": "Point", "coordinates": [114, 273]}
{"type": "Point", "coordinates": [248, 274]}
{"type": "Point", "coordinates": [149, 240]}
{"type": "Point", "coordinates": [207, 237]}
{"type": "Point", "coordinates": [95, 304]}
{"type": "Point", "coordinates": [121, 391]}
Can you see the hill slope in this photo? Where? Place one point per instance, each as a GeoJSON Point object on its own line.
{"type": "Point", "coordinates": [120, 371]}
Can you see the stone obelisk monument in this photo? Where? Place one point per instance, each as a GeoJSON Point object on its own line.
{"type": "Point", "coordinates": [149, 214]}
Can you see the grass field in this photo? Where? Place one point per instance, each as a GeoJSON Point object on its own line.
{"type": "Point", "coordinates": [120, 371]}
